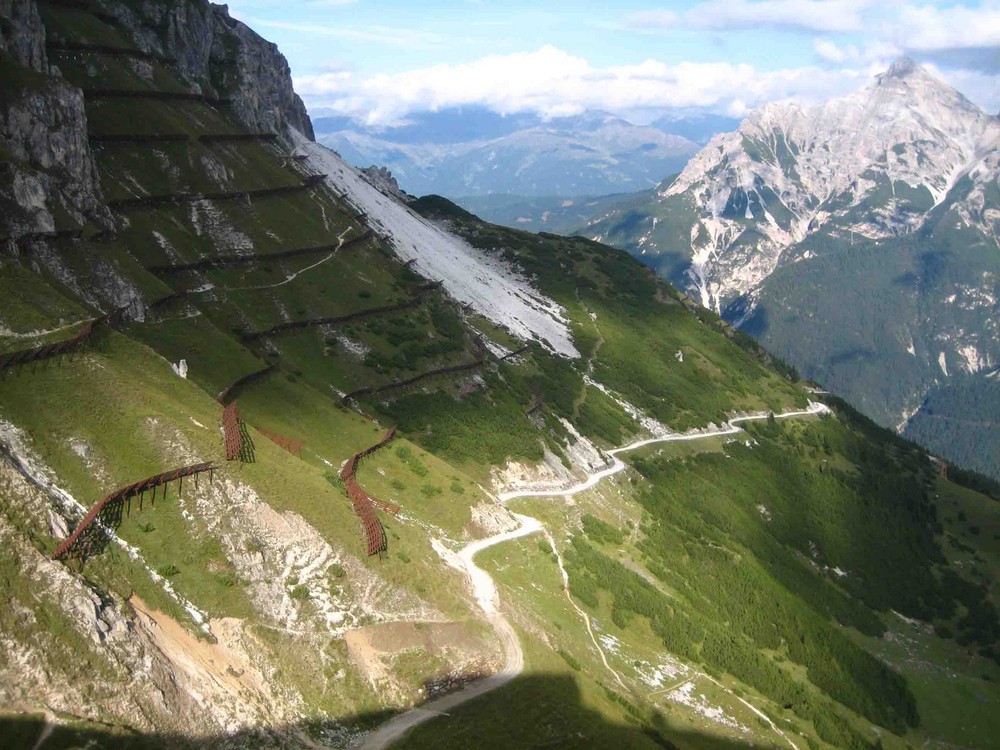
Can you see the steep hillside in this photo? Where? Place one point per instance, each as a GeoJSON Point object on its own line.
{"type": "Point", "coordinates": [285, 462]}
{"type": "Point", "coordinates": [857, 239]}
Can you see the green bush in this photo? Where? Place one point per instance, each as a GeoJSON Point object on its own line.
{"type": "Point", "coordinates": [601, 532]}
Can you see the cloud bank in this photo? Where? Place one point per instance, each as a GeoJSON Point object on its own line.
{"type": "Point", "coordinates": [850, 41]}
{"type": "Point", "coordinates": [554, 83]}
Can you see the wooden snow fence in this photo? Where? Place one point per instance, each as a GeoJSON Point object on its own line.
{"type": "Point", "coordinates": [291, 445]}
{"type": "Point", "coordinates": [226, 395]}
{"type": "Point", "coordinates": [237, 137]}
{"type": "Point", "coordinates": [112, 138]}
{"type": "Point", "coordinates": [167, 299]}
{"type": "Point", "coordinates": [478, 360]}
{"type": "Point", "coordinates": [232, 439]}
{"type": "Point", "coordinates": [235, 439]}
{"type": "Point", "coordinates": [71, 345]}
{"type": "Point", "coordinates": [92, 531]}
{"type": "Point", "coordinates": [515, 353]}
{"type": "Point", "coordinates": [369, 312]}
{"type": "Point", "coordinates": [233, 260]}
{"type": "Point", "coordinates": [83, 5]}
{"type": "Point", "coordinates": [364, 504]}
{"type": "Point", "coordinates": [170, 96]}
{"type": "Point", "coordinates": [24, 241]}
{"type": "Point", "coordinates": [64, 45]}
{"type": "Point", "coordinates": [181, 198]}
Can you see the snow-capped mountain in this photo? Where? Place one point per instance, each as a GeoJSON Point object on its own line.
{"type": "Point", "coordinates": [592, 154]}
{"type": "Point", "coordinates": [858, 237]}
{"type": "Point", "coordinates": [874, 163]}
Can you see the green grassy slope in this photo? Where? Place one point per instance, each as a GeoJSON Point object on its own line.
{"type": "Point", "coordinates": [674, 561]}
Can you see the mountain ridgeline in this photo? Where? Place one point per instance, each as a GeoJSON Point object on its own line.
{"type": "Point", "coordinates": [473, 152]}
{"type": "Point", "coordinates": [858, 240]}
{"type": "Point", "coordinates": [284, 457]}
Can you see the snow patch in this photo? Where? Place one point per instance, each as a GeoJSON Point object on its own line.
{"type": "Point", "coordinates": [667, 671]}
{"type": "Point", "coordinates": [610, 643]}
{"type": "Point", "coordinates": [974, 362]}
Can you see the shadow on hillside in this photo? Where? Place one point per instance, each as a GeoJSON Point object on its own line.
{"type": "Point", "coordinates": [248, 451]}
{"type": "Point", "coordinates": [541, 711]}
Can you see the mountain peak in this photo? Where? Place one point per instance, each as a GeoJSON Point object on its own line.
{"type": "Point", "coordinates": [907, 73]}
{"type": "Point", "coordinates": [903, 67]}
{"type": "Point", "coordinates": [912, 84]}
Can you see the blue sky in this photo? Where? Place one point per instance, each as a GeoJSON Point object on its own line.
{"type": "Point", "coordinates": [382, 60]}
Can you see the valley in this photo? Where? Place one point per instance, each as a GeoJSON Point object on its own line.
{"type": "Point", "coordinates": [476, 153]}
{"type": "Point", "coordinates": [486, 592]}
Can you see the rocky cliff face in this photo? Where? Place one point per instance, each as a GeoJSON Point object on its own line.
{"type": "Point", "coordinates": [50, 186]}
{"type": "Point", "coordinates": [48, 182]}
{"type": "Point", "coordinates": [22, 35]}
{"type": "Point", "coordinates": [218, 53]}
{"type": "Point", "coordinates": [873, 164]}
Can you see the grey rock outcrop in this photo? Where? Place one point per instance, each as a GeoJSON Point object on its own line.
{"type": "Point", "coordinates": [382, 178]}
{"type": "Point", "coordinates": [48, 180]}
{"type": "Point", "coordinates": [218, 54]}
{"type": "Point", "coordinates": [257, 76]}
{"type": "Point", "coordinates": [22, 35]}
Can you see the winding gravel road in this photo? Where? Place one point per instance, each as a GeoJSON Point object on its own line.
{"type": "Point", "coordinates": [485, 590]}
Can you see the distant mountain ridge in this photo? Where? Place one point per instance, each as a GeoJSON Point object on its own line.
{"type": "Point", "coordinates": [474, 152]}
{"type": "Point", "coordinates": [858, 238]}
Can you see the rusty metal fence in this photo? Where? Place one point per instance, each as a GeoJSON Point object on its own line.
{"type": "Point", "coordinates": [92, 529]}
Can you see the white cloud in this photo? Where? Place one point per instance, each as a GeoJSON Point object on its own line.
{"type": "Point", "coordinates": [554, 83]}
{"type": "Point", "coordinates": [931, 28]}
{"type": "Point", "coordinates": [832, 52]}
{"type": "Point", "coordinates": [958, 38]}
{"type": "Point", "coordinates": [871, 53]}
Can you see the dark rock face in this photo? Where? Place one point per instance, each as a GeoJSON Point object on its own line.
{"type": "Point", "coordinates": [257, 76]}
{"type": "Point", "coordinates": [52, 177]}
{"type": "Point", "coordinates": [382, 178]}
{"type": "Point", "coordinates": [48, 180]}
{"type": "Point", "coordinates": [22, 35]}
{"type": "Point", "coordinates": [219, 54]}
